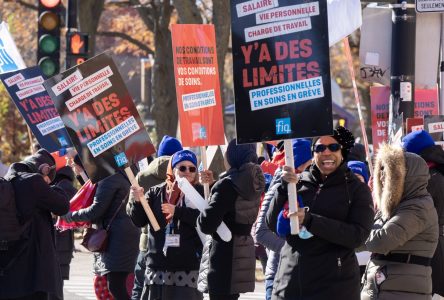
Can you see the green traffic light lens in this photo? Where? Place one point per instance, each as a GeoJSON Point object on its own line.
{"type": "Point", "coordinates": [48, 66]}
{"type": "Point", "coordinates": [48, 44]}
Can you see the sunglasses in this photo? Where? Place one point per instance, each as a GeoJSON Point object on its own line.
{"type": "Point", "coordinates": [321, 147]}
{"type": "Point", "coordinates": [184, 168]}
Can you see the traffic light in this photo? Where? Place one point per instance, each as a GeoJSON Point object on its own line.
{"type": "Point", "coordinates": [76, 48]}
{"type": "Point", "coordinates": [49, 23]}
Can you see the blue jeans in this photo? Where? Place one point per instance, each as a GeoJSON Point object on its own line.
{"type": "Point", "coordinates": [268, 288]}
{"type": "Point", "coordinates": [139, 277]}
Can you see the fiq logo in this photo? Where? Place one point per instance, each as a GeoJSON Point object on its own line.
{"type": "Point", "coordinates": [121, 159]}
{"type": "Point", "coordinates": [283, 126]}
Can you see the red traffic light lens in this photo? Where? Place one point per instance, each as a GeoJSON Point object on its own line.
{"type": "Point", "coordinates": [50, 3]}
{"type": "Point", "coordinates": [49, 20]}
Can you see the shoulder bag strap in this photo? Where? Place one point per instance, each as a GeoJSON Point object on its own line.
{"type": "Point", "coordinates": [115, 214]}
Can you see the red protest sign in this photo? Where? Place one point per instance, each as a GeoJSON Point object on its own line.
{"type": "Point", "coordinates": [197, 85]}
{"type": "Point", "coordinates": [414, 124]}
{"type": "Point", "coordinates": [379, 97]}
{"type": "Point", "coordinates": [426, 103]}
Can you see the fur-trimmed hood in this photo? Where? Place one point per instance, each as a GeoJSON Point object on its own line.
{"type": "Point", "coordinates": [405, 177]}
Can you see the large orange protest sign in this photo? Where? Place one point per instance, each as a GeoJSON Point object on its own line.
{"type": "Point", "coordinates": [197, 85]}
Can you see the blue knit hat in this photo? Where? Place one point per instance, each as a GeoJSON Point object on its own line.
{"type": "Point", "coordinates": [237, 155]}
{"type": "Point", "coordinates": [169, 146]}
{"type": "Point", "coordinates": [301, 151]}
{"type": "Point", "coordinates": [183, 155]}
{"type": "Point", "coordinates": [358, 167]}
{"type": "Point", "coordinates": [417, 141]}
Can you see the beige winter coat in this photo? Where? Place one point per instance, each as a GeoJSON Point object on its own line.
{"type": "Point", "coordinates": [407, 223]}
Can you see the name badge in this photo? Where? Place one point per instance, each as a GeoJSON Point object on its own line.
{"type": "Point", "coordinates": [172, 240]}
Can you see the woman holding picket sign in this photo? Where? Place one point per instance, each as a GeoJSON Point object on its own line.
{"type": "Point", "coordinates": [320, 263]}
{"type": "Point", "coordinates": [228, 268]}
{"type": "Point", "coordinates": [118, 260]}
{"type": "Point", "coordinates": [174, 251]}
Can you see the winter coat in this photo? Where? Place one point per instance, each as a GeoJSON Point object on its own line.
{"type": "Point", "coordinates": [65, 239]}
{"type": "Point", "coordinates": [187, 256]}
{"type": "Point", "coordinates": [123, 236]}
{"type": "Point", "coordinates": [340, 217]}
{"type": "Point", "coordinates": [155, 174]}
{"type": "Point", "coordinates": [434, 156]}
{"type": "Point", "coordinates": [36, 268]}
{"type": "Point", "coordinates": [229, 267]}
{"type": "Point", "coordinates": [264, 235]}
{"type": "Point", "coordinates": [407, 223]}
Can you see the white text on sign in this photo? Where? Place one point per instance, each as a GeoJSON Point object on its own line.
{"type": "Point", "coordinates": [286, 93]}
{"type": "Point", "coordinates": [113, 137]}
{"type": "Point", "coordinates": [198, 100]}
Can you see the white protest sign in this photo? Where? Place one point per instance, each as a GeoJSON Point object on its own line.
{"type": "Point", "coordinates": [10, 58]}
{"type": "Point", "coordinates": [429, 6]}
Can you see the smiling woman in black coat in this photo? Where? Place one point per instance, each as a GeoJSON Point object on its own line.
{"type": "Point", "coordinates": [340, 217]}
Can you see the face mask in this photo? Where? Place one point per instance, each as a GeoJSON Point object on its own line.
{"type": "Point", "coordinates": [304, 233]}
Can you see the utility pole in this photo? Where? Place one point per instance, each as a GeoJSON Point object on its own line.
{"type": "Point", "coordinates": [402, 79]}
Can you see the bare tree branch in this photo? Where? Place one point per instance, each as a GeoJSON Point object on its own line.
{"type": "Point", "coordinates": [128, 38]}
{"type": "Point", "coordinates": [24, 3]}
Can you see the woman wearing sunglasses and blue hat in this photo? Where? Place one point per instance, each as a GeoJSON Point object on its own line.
{"type": "Point", "coordinates": [174, 251]}
{"type": "Point", "coordinates": [338, 215]}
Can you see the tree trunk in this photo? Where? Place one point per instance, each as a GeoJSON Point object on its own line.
{"type": "Point", "coordinates": [88, 14]}
{"type": "Point", "coordinates": [222, 24]}
{"type": "Point", "coordinates": [164, 107]}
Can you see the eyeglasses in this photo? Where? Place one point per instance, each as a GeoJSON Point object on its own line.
{"type": "Point", "coordinates": [184, 168]}
{"type": "Point", "coordinates": [332, 147]}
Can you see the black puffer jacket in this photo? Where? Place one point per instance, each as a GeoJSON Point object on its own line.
{"type": "Point", "coordinates": [340, 218]}
{"type": "Point", "coordinates": [123, 242]}
{"type": "Point", "coordinates": [434, 156]}
{"type": "Point", "coordinates": [36, 268]}
{"type": "Point", "coordinates": [229, 267]}
{"type": "Point", "coordinates": [65, 239]}
{"type": "Point", "coordinates": [184, 258]}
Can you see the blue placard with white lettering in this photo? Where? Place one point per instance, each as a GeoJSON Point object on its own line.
{"type": "Point", "coordinates": [35, 105]}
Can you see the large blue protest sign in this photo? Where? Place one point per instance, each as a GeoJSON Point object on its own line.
{"type": "Point", "coordinates": [32, 100]}
{"type": "Point", "coordinates": [281, 69]}
{"type": "Point", "coordinates": [100, 116]}
{"type": "Point", "coordinates": [10, 58]}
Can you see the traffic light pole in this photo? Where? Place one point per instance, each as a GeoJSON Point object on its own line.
{"type": "Point", "coordinates": [402, 79]}
{"type": "Point", "coordinates": [71, 15]}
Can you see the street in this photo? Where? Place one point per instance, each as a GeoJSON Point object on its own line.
{"type": "Point", "coordinates": [80, 285]}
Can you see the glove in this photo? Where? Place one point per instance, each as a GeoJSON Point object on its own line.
{"type": "Point", "coordinates": [283, 224]}
{"type": "Point", "coordinates": [67, 217]}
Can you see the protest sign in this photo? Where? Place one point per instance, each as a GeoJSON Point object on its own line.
{"type": "Point", "coordinates": [281, 69]}
{"type": "Point", "coordinates": [426, 103]}
{"type": "Point", "coordinates": [100, 116]}
{"type": "Point", "coordinates": [379, 98]}
{"type": "Point", "coordinates": [10, 58]}
{"type": "Point", "coordinates": [197, 85]}
{"type": "Point", "coordinates": [35, 105]}
{"type": "Point", "coordinates": [435, 126]}
{"type": "Point", "coordinates": [414, 124]}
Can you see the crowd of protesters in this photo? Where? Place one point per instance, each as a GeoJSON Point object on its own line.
{"type": "Point", "coordinates": [395, 214]}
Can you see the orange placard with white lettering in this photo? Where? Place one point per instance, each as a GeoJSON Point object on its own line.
{"type": "Point", "coordinates": [197, 85]}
